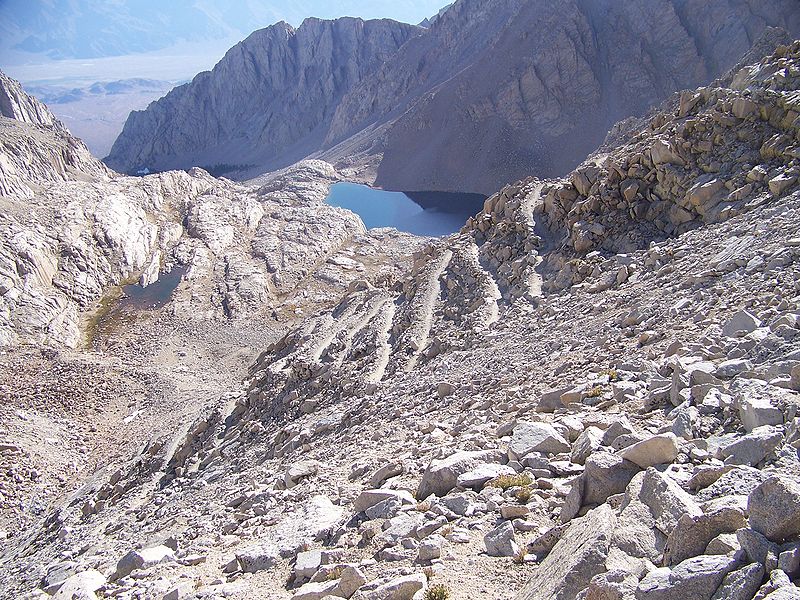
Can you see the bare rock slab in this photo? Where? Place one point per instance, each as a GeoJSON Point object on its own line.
{"type": "Point", "coordinates": [774, 508]}
{"type": "Point", "coordinates": [82, 585]}
{"type": "Point", "coordinates": [142, 559]}
{"type": "Point", "coordinates": [655, 450]}
{"type": "Point", "coordinates": [370, 498]}
{"type": "Point", "coordinates": [401, 588]}
{"type": "Point", "coordinates": [697, 578]}
{"type": "Point", "coordinates": [536, 437]}
{"type": "Point", "coordinates": [501, 540]}
{"type": "Point", "coordinates": [741, 584]}
{"type": "Point", "coordinates": [576, 558]}
{"type": "Point", "coordinates": [441, 476]}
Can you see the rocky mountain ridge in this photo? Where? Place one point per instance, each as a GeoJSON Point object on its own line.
{"type": "Point", "coordinates": [591, 392]}
{"type": "Point", "coordinates": [488, 94]}
{"type": "Point", "coordinates": [294, 79]}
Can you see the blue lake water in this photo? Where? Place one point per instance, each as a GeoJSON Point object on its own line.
{"type": "Point", "coordinates": [155, 295]}
{"type": "Point", "coordinates": [421, 213]}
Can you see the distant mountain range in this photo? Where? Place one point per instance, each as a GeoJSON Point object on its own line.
{"type": "Point", "coordinates": [492, 91]}
{"type": "Point", "coordinates": [96, 113]}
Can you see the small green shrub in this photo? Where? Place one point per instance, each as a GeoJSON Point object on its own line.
{"type": "Point", "coordinates": [508, 481]}
{"type": "Point", "coordinates": [523, 495]}
{"type": "Point", "coordinates": [334, 574]}
{"type": "Point", "coordinates": [437, 592]}
{"type": "Point", "coordinates": [595, 392]}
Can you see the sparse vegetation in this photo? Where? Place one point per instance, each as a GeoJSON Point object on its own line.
{"type": "Point", "coordinates": [437, 592]}
{"type": "Point", "coordinates": [334, 574]}
{"type": "Point", "coordinates": [523, 495]}
{"type": "Point", "coordinates": [595, 392]}
{"type": "Point", "coordinates": [505, 482]}
{"type": "Point", "coordinates": [611, 374]}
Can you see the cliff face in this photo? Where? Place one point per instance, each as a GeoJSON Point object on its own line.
{"type": "Point", "coordinates": [544, 90]}
{"type": "Point", "coordinates": [492, 91]}
{"type": "Point", "coordinates": [35, 147]}
{"type": "Point", "coordinates": [267, 103]}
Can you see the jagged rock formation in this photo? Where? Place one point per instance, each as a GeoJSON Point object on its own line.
{"type": "Point", "coordinates": [293, 80]}
{"type": "Point", "coordinates": [36, 147]}
{"type": "Point", "coordinates": [490, 93]}
{"type": "Point", "coordinates": [612, 389]}
{"type": "Point", "coordinates": [71, 231]}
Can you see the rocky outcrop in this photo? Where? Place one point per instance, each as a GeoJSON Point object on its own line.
{"type": "Point", "coordinates": [293, 79]}
{"type": "Point", "coordinates": [16, 104]}
{"type": "Point", "coordinates": [36, 147]}
{"type": "Point", "coordinates": [72, 231]}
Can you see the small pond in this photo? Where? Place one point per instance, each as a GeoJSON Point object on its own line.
{"type": "Point", "coordinates": [155, 295]}
{"type": "Point", "coordinates": [421, 213]}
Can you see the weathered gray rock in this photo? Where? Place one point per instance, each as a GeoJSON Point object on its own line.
{"type": "Point", "coordinates": [476, 478]}
{"type": "Point", "coordinates": [636, 533]}
{"type": "Point", "coordinates": [430, 548]}
{"type": "Point", "coordinates": [692, 534]}
{"type": "Point", "coordinates": [306, 564]}
{"type": "Point", "coordinates": [142, 559]}
{"type": "Point", "coordinates": [697, 577]}
{"type": "Point", "coordinates": [182, 591]}
{"type": "Point", "coordinates": [785, 593]}
{"type": "Point", "coordinates": [352, 578]}
{"type": "Point", "coordinates": [441, 476]}
{"type": "Point", "coordinates": [575, 560]}
{"type": "Point", "coordinates": [400, 588]}
{"type": "Point", "coordinates": [615, 584]}
{"type": "Point", "coordinates": [753, 448]}
{"type": "Point", "coordinates": [81, 585]}
{"type": "Point", "coordinates": [733, 481]}
{"type": "Point", "coordinates": [259, 557]}
{"type": "Point", "coordinates": [654, 450]}
{"type": "Point", "coordinates": [774, 509]}
{"type": "Point", "coordinates": [369, 498]}
{"type": "Point", "coordinates": [741, 584]}
{"type": "Point", "coordinates": [666, 500]}
{"type": "Point", "coordinates": [587, 443]}
{"type": "Point", "coordinates": [740, 324]}
{"type": "Point", "coordinates": [316, 590]}
{"type": "Point", "coordinates": [757, 410]}
{"type": "Point", "coordinates": [536, 437]}
{"type": "Point", "coordinates": [387, 471]}
{"type": "Point", "coordinates": [501, 540]}
{"type": "Point", "coordinates": [778, 586]}
{"type": "Point", "coordinates": [758, 548]}
{"type": "Point", "coordinates": [606, 474]}
{"type": "Point", "coordinates": [724, 543]}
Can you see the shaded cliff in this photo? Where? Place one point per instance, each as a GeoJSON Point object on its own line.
{"type": "Point", "coordinates": [267, 102]}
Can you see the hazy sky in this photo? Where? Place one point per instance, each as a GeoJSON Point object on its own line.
{"type": "Point", "coordinates": [92, 40]}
